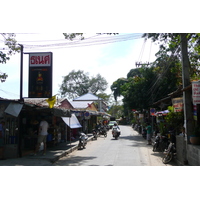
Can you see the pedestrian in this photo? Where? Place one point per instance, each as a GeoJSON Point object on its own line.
{"type": "Point", "coordinates": [2, 148]}
{"type": "Point", "coordinates": [149, 131]}
{"type": "Point", "coordinates": [42, 135]}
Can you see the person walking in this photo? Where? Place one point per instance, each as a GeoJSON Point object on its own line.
{"type": "Point", "coordinates": [149, 132]}
{"type": "Point", "coordinates": [42, 135]}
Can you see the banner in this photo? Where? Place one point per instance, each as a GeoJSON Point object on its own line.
{"type": "Point", "coordinates": [177, 104]}
{"type": "Point", "coordinates": [196, 92]}
{"type": "Point", "coordinates": [40, 75]}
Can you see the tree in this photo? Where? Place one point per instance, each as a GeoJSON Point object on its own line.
{"type": "Point", "coordinates": [116, 111]}
{"type": "Point", "coordinates": [115, 87]}
{"type": "Point", "coordinates": [170, 44]}
{"type": "Point", "coordinates": [13, 47]}
{"type": "Point", "coordinates": [77, 83]}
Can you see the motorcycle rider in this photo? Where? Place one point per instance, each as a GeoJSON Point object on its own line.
{"type": "Point", "coordinates": [118, 129]}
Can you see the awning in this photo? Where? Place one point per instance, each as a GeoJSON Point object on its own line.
{"type": "Point", "coordinates": [72, 121]}
{"type": "Point", "coordinates": [14, 109]}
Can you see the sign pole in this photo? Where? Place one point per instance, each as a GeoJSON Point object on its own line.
{"type": "Point", "coordinates": [21, 71]}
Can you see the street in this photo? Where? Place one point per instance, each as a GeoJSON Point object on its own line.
{"type": "Point", "coordinates": [129, 150]}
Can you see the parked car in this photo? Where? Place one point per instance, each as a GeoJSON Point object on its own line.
{"type": "Point", "coordinates": [111, 123]}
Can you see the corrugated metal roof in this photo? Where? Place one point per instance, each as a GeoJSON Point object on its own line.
{"type": "Point", "coordinates": [87, 97]}
{"type": "Point", "coordinates": [80, 104]}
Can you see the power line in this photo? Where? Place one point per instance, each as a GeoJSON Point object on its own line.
{"type": "Point", "coordinates": [142, 50]}
{"type": "Point", "coordinates": [96, 41]}
{"type": "Point", "coordinates": [150, 51]}
{"type": "Point", "coordinates": [9, 93]}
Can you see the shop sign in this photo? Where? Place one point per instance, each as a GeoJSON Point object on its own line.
{"type": "Point", "coordinates": [40, 75]}
{"type": "Point", "coordinates": [196, 92]}
{"type": "Point", "coordinates": [152, 111]}
{"type": "Point", "coordinates": [87, 115]}
{"type": "Point", "coordinates": [177, 104]}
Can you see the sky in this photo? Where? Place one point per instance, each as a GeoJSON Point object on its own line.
{"type": "Point", "coordinates": [110, 56]}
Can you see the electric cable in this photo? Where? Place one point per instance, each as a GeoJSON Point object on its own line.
{"type": "Point", "coordinates": [150, 51]}
{"type": "Point", "coordinates": [155, 85]}
{"type": "Point", "coordinates": [81, 43]}
{"type": "Point", "coordinates": [142, 50]}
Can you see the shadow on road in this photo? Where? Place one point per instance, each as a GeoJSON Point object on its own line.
{"type": "Point", "coordinates": [73, 160]}
{"type": "Point", "coordinates": [139, 141]}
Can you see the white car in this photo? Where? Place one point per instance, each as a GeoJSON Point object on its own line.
{"type": "Point", "coordinates": [111, 124]}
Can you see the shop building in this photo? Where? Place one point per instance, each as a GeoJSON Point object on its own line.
{"type": "Point", "coordinates": [22, 121]}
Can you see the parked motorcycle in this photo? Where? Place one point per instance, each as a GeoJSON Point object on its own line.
{"type": "Point", "coordinates": [156, 143]}
{"type": "Point", "coordinates": [103, 131]}
{"type": "Point", "coordinates": [82, 141]}
{"type": "Point", "coordinates": [161, 143]}
{"type": "Point", "coordinates": [115, 132]}
{"type": "Point", "coordinates": [169, 153]}
{"type": "Point", "coordinates": [144, 133]}
{"type": "Point", "coordinates": [95, 134]}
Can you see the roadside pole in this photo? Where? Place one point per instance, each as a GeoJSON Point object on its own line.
{"type": "Point", "coordinates": [187, 95]}
{"type": "Point", "coordinates": [21, 71]}
{"type": "Point", "coordinates": [21, 100]}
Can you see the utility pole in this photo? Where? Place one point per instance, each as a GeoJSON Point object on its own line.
{"type": "Point", "coordinates": [187, 95]}
{"type": "Point", "coordinates": [137, 64]}
{"type": "Point", "coordinates": [21, 71]}
{"type": "Point", "coordinates": [21, 100]}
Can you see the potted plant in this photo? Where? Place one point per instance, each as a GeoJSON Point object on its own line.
{"type": "Point", "coordinates": [195, 137]}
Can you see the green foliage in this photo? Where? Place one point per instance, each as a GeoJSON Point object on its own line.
{"type": "Point", "coordinates": [3, 77]}
{"type": "Point", "coordinates": [77, 83]}
{"type": "Point", "coordinates": [11, 43]}
{"type": "Point", "coordinates": [162, 128]}
{"type": "Point", "coordinates": [116, 87]}
{"type": "Point", "coordinates": [170, 44]}
{"type": "Point", "coordinates": [104, 96]}
{"type": "Point", "coordinates": [175, 120]}
{"type": "Point", "coordinates": [71, 36]}
{"type": "Point", "coordinates": [116, 111]}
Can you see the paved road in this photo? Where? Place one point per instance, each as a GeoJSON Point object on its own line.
{"type": "Point", "coordinates": [129, 150]}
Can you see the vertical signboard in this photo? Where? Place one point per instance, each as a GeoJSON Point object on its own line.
{"type": "Point", "coordinates": [40, 75]}
{"type": "Point", "coordinates": [196, 92]}
{"type": "Point", "coordinates": [177, 104]}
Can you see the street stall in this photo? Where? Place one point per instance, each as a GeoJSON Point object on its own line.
{"type": "Point", "coordinates": [31, 116]}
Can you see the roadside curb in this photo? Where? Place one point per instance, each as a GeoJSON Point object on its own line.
{"type": "Point", "coordinates": [66, 152]}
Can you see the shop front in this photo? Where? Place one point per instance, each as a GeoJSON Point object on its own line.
{"type": "Point", "coordinates": [9, 114]}
{"type": "Point", "coordinates": [72, 127]}
{"type": "Point", "coordinates": [30, 120]}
